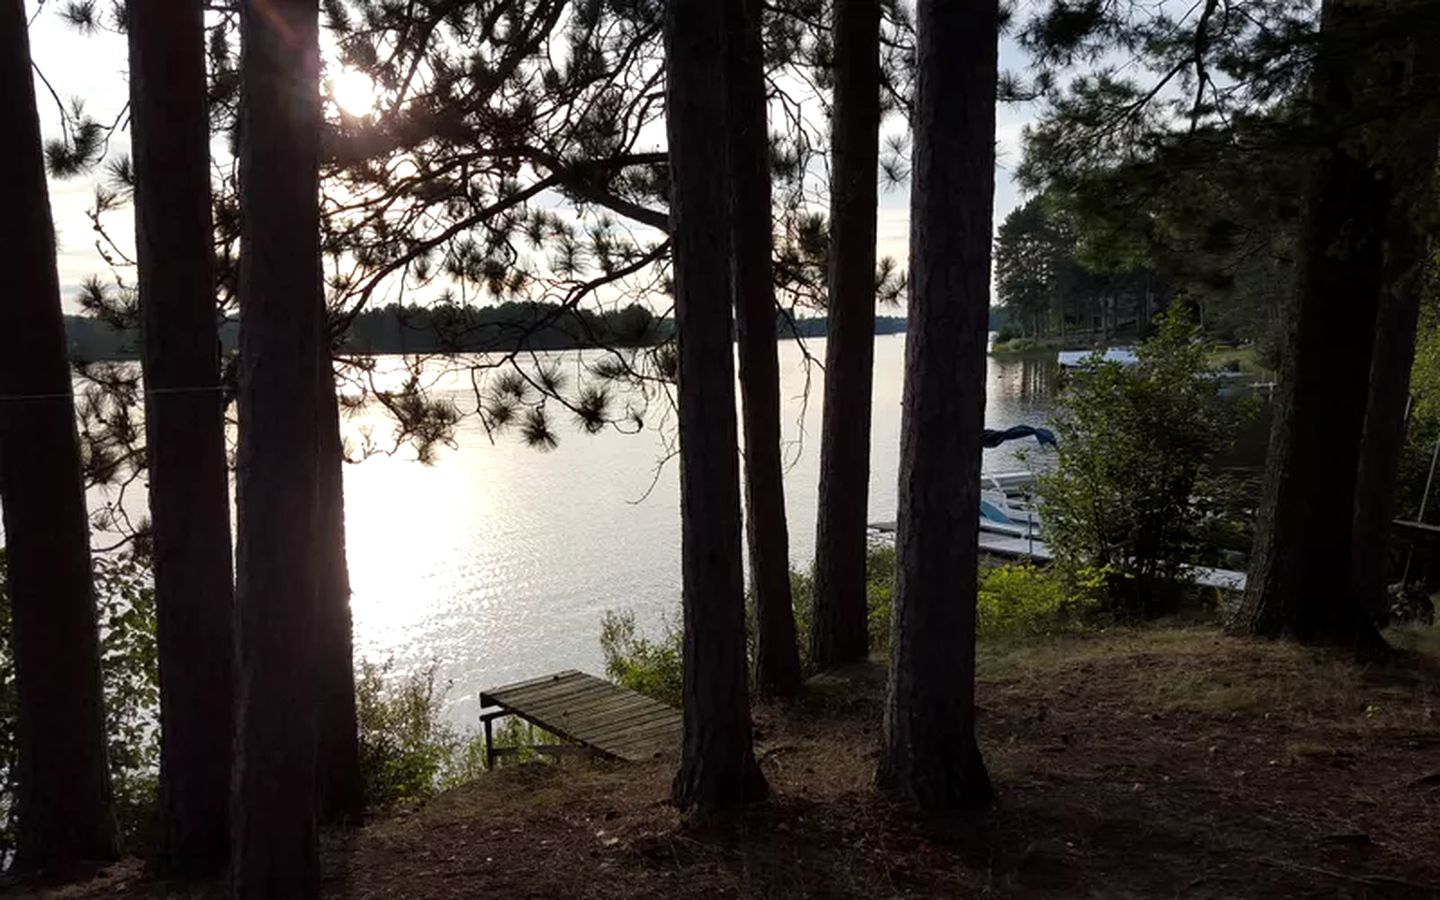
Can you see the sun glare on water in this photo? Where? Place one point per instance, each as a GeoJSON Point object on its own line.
{"type": "Point", "coordinates": [353, 92]}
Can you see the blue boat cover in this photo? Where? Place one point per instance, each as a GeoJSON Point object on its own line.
{"type": "Point", "coordinates": [994, 438]}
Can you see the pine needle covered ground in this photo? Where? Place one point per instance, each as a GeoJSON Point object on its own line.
{"type": "Point", "coordinates": [1130, 764]}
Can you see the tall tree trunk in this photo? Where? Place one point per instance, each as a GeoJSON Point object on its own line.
{"type": "Point", "coordinates": [1300, 581]}
{"type": "Point", "coordinates": [185, 432]}
{"type": "Point", "coordinates": [717, 768]}
{"type": "Point", "coordinates": [64, 799]}
{"type": "Point", "coordinates": [929, 756]}
{"type": "Point", "coordinates": [777, 658]}
{"type": "Point", "coordinates": [274, 849]}
{"type": "Point", "coordinates": [840, 634]}
{"type": "Point", "coordinates": [338, 733]}
{"type": "Point", "coordinates": [1406, 258]}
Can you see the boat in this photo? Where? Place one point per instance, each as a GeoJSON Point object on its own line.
{"type": "Point", "coordinates": [1005, 507]}
{"type": "Point", "coordinates": [1080, 359]}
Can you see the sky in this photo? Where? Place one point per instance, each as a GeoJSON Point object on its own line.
{"type": "Point", "coordinates": [93, 67]}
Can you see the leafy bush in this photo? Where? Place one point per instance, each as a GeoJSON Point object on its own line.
{"type": "Point", "coordinates": [130, 679]}
{"type": "Point", "coordinates": [1423, 428]}
{"type": "Point", "coordinates": [1134, 488]}
{"type": "Point", "coordinates": [1027, 600]}
{"type": "Point", "coordinates": [1017, 599]}
{"type": "Point", "coordinates": [408, 751]}
{"type": "Point", "coordinates": [1015, 345]}
{"type": "Point", "coordinates": [879, 583]}
{"type": "Point", "coordinates": [1013, 600]}
{"type": "Point", "coordinates": [633, 661]}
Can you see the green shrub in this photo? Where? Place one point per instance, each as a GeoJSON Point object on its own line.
{"type": "Point", "coordinates": [408, 751]}
{"type": "Point", "coordinates": [130, 676]}
{"type": "Point", "coordinates": [1134, 492]}
{"type": "Point", "coordinates": [1013, 600]}
{"type": "Point", "coordinates": [1022, 599]}
{"type": "Point", "coordinates": [130, 680]}
{"type": "Point", "coordinates": [1016, 599]}
{"type": "Point", "coordinates": [633, 661]}
{"type": "Point", "coordinates": [1015, 345]}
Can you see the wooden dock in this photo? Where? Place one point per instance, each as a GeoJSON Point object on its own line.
{"type": "Point", "coordinates": [1009, 547]}
{"type": "Point", "coordinates": [597, 717]}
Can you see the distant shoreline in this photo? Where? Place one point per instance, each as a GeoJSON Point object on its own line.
{"type": "Point", "coordinates": [94, 340]}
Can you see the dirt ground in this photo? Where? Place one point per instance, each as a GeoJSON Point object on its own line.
{"type": "Point", "coordinates": [1129, 764]}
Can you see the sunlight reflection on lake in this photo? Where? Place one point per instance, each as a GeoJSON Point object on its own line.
{"type": "Point", "coordinates": [497, 561]}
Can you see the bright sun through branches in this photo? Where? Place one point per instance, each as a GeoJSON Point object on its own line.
{"type": "Point", "coordinates": [353, 92]}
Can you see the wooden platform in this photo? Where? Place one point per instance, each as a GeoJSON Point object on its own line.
{"type": "Point", "coordinates": [1009, 547]}
{"type": "Point", "coordinates": [597, 716]}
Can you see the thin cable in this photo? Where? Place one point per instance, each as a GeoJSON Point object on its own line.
{"type": "Point", "coordinates": [149, 392]}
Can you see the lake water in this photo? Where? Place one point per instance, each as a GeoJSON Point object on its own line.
{"type": "Point", "coordinates": [497, 561]}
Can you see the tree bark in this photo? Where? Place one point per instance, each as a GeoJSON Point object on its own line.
{"type": "Point", "coordinates": [274, 850]}
{"type": "Point", "coordinates": [929, 755]}
{"type": "Point", "coordinates": [777, 658]}
{"type": "Point", "coordinates": [1300, 582]}
{"type": "Point", "coordinates": [185, 432]}
{"type": "Point", "coordinates": [1406, 259]}
{"type": "Point", "coordinates": [717, 768]}
{"type": "Point", "coordinates": [342, 798]}
{"type": "Point", "coordinates": [840, 631]}
{"type": "Point", "coordinates": [65, 817]}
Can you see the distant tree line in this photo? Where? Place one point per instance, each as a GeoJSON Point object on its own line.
{"type": "Point", "coordinates": [256, 685]}
{"type": "Point", "coordinates": [1045, 285]}
{"type": "Point", "coordinates": [454, 328]}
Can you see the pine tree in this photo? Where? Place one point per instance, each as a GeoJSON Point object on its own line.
{"type": "Point", "coordinates": [1300, 583]}
{"type": "Point", "coordinates": [777, 658]}
{"type": "Point", "coordinates": [274, 851]}
{"type": "Point", "coordinates": [1412, 154]}
{"type": "Point", "coordinates": [929, 757]}
{"type": "Point", "coordinates": [840, 632]}
{"type": "Point", "coordinates": [65, 816]}
{"type": "Point", "coordinates": [337, 730]}
{"type": "Point", "coordinates": [717, 767]}
{"type": "Point", "coordinates": [189, 483]}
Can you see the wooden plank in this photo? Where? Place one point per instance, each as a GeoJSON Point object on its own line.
{"type": "Point", "coordinates": [596, 725]}
{"type": "Point", "coordinates": [558, 685]}
{"type": "Point", "coordinates": [601, 709]}
{"type": "Point", "coordinates": [569, 691]}
{"type": "Point", "coordinates": [615, 742]}
{"type": "Point", "coordinates": [644, 746]}
{"type": "Point", "coordinates": [593, 712]}
{"type": "Point", "coordinates": [520, 685]}
{"type": "Point", "coordinates": [608, 704]}
{"type": "Point", "coordinates": [538, 692]}
{"type": "Point", "coordinates": [625, 735]}
{"type": "Point", "coordinates": [573, 690]}
{"type": "Point", "coordinates": [547, 749]}
{"type": "Point", "coordinates": [637, 722]}
{"type": "Point", "coordinates": [648, 745]}
{"type": "Point", "coordinates": [627, 718]}
{"type": "Point", "coordinates": [623, 732]}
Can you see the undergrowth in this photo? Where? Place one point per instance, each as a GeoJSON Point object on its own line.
{"type": "Point", "coordinates": [1014, 600]}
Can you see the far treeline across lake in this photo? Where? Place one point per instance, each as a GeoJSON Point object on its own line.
{"type": "Point", "coordinates": [720, 448]}
{"type": "Point", "coordinates": [438, 328]}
